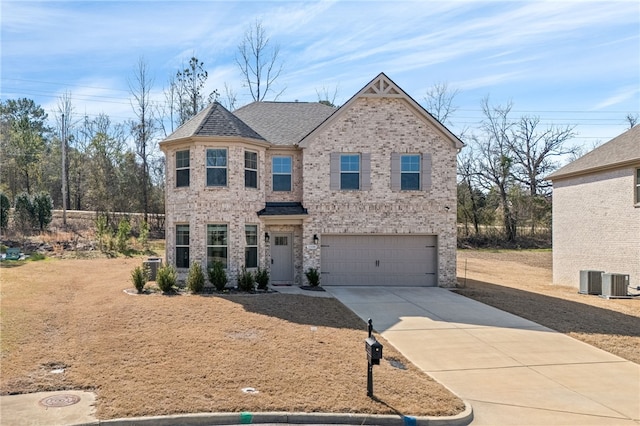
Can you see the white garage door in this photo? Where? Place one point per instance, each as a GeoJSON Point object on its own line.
{"type": "Point", "coordinates": [379, 260]}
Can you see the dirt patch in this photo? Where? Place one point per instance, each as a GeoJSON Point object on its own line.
{"type": "Point", "coordinates": [520, 282]}
{"type": "Point", "coordinates": [157, 355]}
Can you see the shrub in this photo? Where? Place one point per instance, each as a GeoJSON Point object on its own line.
{"type": "Point", "coordinates": [23, 214]}
{"type": "Point", "coordinates": [195, 279]}
{"type": "Point", "coordinates": [313, 276]}
{"type": "Point", "coordinates": [139, 277]}
{"type": "Point", "coordinates": [166, 278]}
{"type": "Point", "coordinates": [42, 210]}
{"type": "Point", "coordinates": [143, 237]}
{"type": "Point", "coordinates": [4, 210]}
{"type": "Point", "coordinates": [246, 281]}
{"type": "Point", "coordinates": [262, 278]}
{"type": "Point", "coordinates": [217, 275]}
{"type": "Point", "coordinates": [122, 237]}
{"type": "Point", "coordinates": [102, 229]}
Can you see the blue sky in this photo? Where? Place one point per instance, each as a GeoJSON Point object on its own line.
{"type": "Point", "coordinates": [569, 62]}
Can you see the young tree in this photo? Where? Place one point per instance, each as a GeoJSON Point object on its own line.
{"type": "Point", "coordinates": [327, 99]}
{"type": "Point", "coordinates": [259, 62]}
{"type": "Point", "coordinates": [439, 101]}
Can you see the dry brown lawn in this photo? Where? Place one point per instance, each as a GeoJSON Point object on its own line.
{"type": "Point", "coordinates": [520, 282]}
{"type": "Point", "coordinates": [157, 355]}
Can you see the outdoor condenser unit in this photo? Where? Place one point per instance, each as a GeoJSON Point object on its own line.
{"type": "Point", "coordinates": [614, 284]}
{"type": "Point", "coordinates": [591, 282]}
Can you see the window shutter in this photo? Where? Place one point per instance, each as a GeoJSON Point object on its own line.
{"type": "Point", "coordinates": [395, 171]}
{"type": "Point", "coordinates": [365, 166]}
{"type": "Point", "coordinates": [426, 172]}
{"type": "Point", "coordinates": [334, 178]}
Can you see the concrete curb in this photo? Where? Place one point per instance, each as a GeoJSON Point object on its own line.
{"type": "Point", "coordinates": [206, 419]}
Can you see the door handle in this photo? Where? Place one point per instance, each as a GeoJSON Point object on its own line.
{"type": "Point", "coordinates": [272, 261]}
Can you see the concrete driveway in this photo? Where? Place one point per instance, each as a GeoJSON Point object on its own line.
{"type": "Point", "coordinates": [512, 371]}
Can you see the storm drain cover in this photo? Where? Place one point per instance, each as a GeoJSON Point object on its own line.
{"type": "Point", "coordinates": [63, 400]}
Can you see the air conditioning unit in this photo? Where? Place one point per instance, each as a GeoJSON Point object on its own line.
{"type": "Point", "coordinates": [614, 284]}
{"type": "Point", "coordinates": [591, 282]}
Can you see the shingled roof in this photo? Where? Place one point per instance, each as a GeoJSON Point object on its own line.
{"type": "Point", "coordinates": [284, 123]}
{"type": "Point", "coordinates": [618, 152]}
{"type": "Point", "coordinates": [214, 120]}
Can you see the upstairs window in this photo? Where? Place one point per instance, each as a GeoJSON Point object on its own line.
{"type": "Point", "coordinates": [251, 247]}
{"type": "Point", "coordinates": [216, 167]}
{"type": "Point", "coordinates": [349, 172]}
{"type": "Point", "coordinates": [250, 169]}
{"type": "Point", "coordinates": [182, 168]}
{"type": "Point", "coordinates": [281, 172]}
{"type": "Point", "coordinates": [410, 172]}
{"type": "Point", "coordinates": [217, 245]}
{"type": "Point", "coordinates": [182, 246]}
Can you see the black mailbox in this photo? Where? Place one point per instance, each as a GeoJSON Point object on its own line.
{"type": "Point", "coordinates": [374, 350]}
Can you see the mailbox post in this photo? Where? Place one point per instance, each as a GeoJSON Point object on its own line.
{"type": "Point", "coordinates": [374, 355]}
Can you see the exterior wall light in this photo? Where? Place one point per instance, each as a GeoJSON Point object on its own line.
{"type": "Point", "coordinates": [315, 238]}
{"type": "Point", "coordinates": [266, 237]}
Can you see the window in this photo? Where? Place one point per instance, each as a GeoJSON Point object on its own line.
{"type": "Point", "coordinates": [410, 172]}
{"type": "Point", "coordinates": [182, 246]}
{"type": "Point", "coordinates": [349, 171]}
{"type": "Point", "coordinates": [251, 248]}
{"type": "Point", "coordinates": [281, 171]}
{"type": "Point", "coordinates": [250, 169]}
{"type": "Point", "coordinates": [216, 167]}
{"type": "Point", "coordinates": [638, 186]}
{"type": "Point", "coordinates": [182, 168]}
{"type": "Point", "coordinates": [217, 244]}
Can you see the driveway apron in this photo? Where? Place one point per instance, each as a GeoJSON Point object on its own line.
{"type": "Point", "coordinates": [512, 371]}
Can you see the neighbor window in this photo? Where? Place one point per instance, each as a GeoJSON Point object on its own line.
{"type": "Point", "coordinates": [216, 167]}
{"type": "Point", "coordinates": [182, 168]}
{"type": "Point", "coordinates": [217, 244]}
{"type": "Point", "coordinates": [638, 186]}
{"type": "Point", "coordinates": [281, 171]}
{"type": "Point", "coordinates": [251, 247]}
{"type": "Point", "coordinates": [182, 246]}
{"type": "Point", "coordinates": [410, 172]}
{"type": "Point", "coordinates": [250, 169]}
{"type": "Point", "coordinates": [349, 171]}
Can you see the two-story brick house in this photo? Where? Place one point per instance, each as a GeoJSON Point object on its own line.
{"type": "Point", "coordinates": [366, 193]}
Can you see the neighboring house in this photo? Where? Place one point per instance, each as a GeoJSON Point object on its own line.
{"type": "Point", "coordinates": [596, 212]}
{"type": "Point", "coordinates": [365, 193]}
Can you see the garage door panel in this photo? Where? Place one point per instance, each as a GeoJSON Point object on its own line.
{"type": "Point", "coordinates": [379, 260]}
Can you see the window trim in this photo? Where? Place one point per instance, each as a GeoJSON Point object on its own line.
{"type": "Point", "coordinates": [637, 187]}
{"type": "Point", "coordinates": [251, 246]}
{"type": "Point", "coordinates": [226, 246]}
{"type": "Point", "coordinates": [187, 168]}
{"type": "Point", "coordinates": [274, 173]}
{"type": "Point", "coordinates": [419, 172]}
{"type": "Point", "coordinates": [351, 172]}
{"type": "Point", "coordinates": [187, 246]}
{"type": "Point", "coordinates": [225, 167]}
{"type": "Point", "coordinates": [248, 170]}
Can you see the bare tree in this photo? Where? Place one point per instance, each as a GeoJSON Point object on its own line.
{"type": "Point", "coordinates": [230, 97]}
{"type": "Point", "coordinates": [259, 62]}
{"type": "Point", "coordinates": [144, 127]}
{"type": "Point", "coordinates": [632, 119]}
{"type": "Point", "coordinates": [439, 101]}
{"type": "Point", "coordinates": [65, 122]}
{"type": "Point", "coordinates": [325, 98]}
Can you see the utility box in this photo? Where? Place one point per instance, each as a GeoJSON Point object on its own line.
{"type": "Point", "coordinates": [374, 350]}
{"type": "Point", "coordinates": [615, 285]}
{"type": "Point", "coordinates": [591, 282]}
{"type": "Point", "coordinates": [153, 264]}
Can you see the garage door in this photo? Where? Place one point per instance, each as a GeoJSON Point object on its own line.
{"type": "Point", "coordinates": [379, 260]}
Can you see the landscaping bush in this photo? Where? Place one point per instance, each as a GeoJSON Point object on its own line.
{"type": "Point", "coordinates": [195, 279]}
{"type": "Point", "coordinates": [166, 278]}
{"type": "Point", "coordinates": [246, 281]}
{"type": "Point", "coordinates": [217, 275]}
{"type": "Point", "coordinates": [262, 278]}
{"type": "Point", "coordinates": [23, 214]}
{"type": "Point", "coordinates": [42, 205]}
{"type": "Point", "coordinates": [313, 276]}
{"type": "Point", "coordinates": [122, 237]}
{"type": "Point", "coordinates": [139, 277]}
{"type": "Point", "coordinates": [143, 237]}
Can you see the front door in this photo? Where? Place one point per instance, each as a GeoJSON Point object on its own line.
{"type": "Point", "coordinates": [282, 259]}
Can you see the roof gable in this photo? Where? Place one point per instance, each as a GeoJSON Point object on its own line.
{"type": "Point", "coordinates": [214, 120]}
{"type": "Point", "coordinates": [619, 151]}
{"type": "Point", "coordinates": [383, 87]}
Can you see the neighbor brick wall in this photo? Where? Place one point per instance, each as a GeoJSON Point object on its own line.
{"type": "Point", "coordinates": [380, 126]}
{"type": "Point", "coordinates": [596, 226]}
